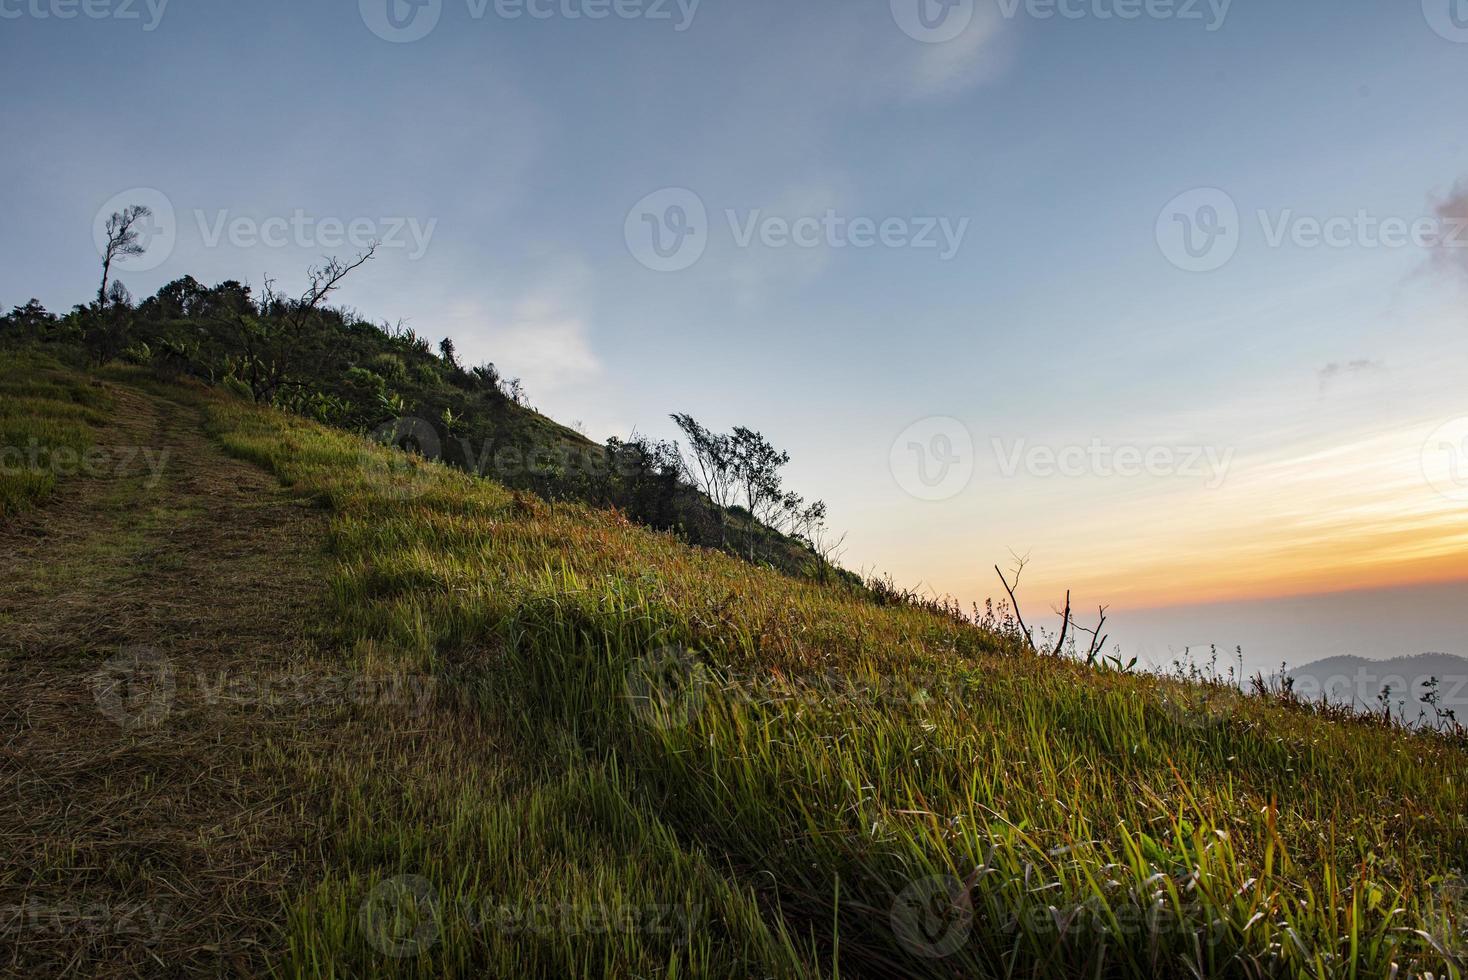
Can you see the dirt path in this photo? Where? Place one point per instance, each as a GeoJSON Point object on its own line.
{"type": "Point", "coordinates": [158, 668]}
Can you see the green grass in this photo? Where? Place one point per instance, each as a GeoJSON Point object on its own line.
{"type": "Point", "coordinates": [48, 417]}
{"type": "Point", "coordinates": [1055, 821]}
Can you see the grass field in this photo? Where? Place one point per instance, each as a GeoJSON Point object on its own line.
{"type": "Point", "coordinates": [47, 417]}
{"type": "Point", "coordinates": [646, 760]}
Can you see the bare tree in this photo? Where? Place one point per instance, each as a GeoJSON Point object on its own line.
{"type": "Point", "coordinates": [122, 240]}
{"type": "Point", "coordinates": [1098, 638]}
{"type": "Point", "coordinates": [1067, 620]}
{"type": "Point", "coordinates": [823, 543]}
{"type": "Point", "coordinates": [1019, 568]}
{"type": "Point", "coordinates": [270, 332]}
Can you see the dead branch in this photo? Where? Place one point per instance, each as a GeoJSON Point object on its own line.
{"type": "Point", "coordinates": [1064, 625]}
{"type": "Point", "coordinates": [1014, 602]}
{"type": "Point", "coordinates": [1098, 639]}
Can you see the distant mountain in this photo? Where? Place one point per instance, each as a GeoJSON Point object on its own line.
{"type": "Point", "coordinates": [1360, 682]}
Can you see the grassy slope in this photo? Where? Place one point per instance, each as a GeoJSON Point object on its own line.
{"type": "Point", "coordinates": [151, 811]}
{"type": "Point", "coordinates": [1099, 824]}
{"type": "Point", "coordinates": [639, 765]}
{"type": "Point", "coordinates": [47, 418]}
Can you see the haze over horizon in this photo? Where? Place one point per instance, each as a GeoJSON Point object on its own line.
{"type": "Point", "coordinates": [1173, 305]}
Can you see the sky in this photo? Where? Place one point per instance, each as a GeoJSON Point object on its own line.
{"type": "Point", "coordinates": [1167, 296]}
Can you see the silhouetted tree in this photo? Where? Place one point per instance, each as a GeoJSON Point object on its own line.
{"type": "Point", "coordinates": [272, 334]}
{"type": "Point", "coordinates": [28, 322]}
{"type": "Point", "coordinates": [122, 240]}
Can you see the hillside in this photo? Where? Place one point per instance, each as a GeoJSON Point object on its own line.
{"type": "Point", "coordinates": [1403, 682]}
{"type": "Point", "coordinates": [462, 732]}
{"type": "Point", "coordinates": [330, 364]}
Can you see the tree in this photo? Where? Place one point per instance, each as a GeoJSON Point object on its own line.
{"type": "Point", "coordinates": [643, 478]}
{"type": "Point", "coordinates": [106, 329]}
{"type": "Point", "coordinates": [756, 467]}
{"type": "Point", "coordinates": [180, 299]}
{"type": "Point", "coordinates": [710, 468]}
{"type": "Point", "coordinates": [742, 467]}
{"type": "Point", "coordinates": [122, 240]}
{"type": "Point", "coordinates": [29, 322]}
{"type": "Point", "coordinates": [272, 334]}
{"type": "Point", "coordinates": [823, 543]}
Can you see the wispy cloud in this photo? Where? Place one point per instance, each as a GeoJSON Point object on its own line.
{"type": "Point", "coordinates": [542, 336]}
{"type": "Point", "coordinates": [1349, 371]}
{"type": "Point", "coordinates": [981, 53]}
{"type": "Point", "coordinates": [1451, 254]}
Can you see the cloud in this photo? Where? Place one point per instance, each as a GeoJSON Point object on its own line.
{"type": "Point", "coordinates": [543, 336]}
{"type": "Point", "coordinates": [980, 54]}
{"type": "Point", "coordinates": [755, 271]}
{"type": "Point", "coordinates": [550, 352]}
{"type": "Point", "coordinates": [1451, 253]}
{"type": "Point", "coordinates": [1349, 371]}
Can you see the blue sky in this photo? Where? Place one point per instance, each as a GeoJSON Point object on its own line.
{"type": "Point", "coordinates": [523, 144]}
